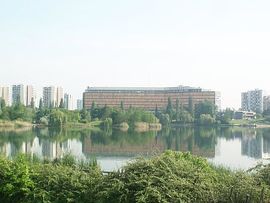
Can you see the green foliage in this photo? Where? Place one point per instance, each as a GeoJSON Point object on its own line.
{"type": "Point", "coordinates": [2, 103]}
{"type": "Point", "coordinates": [40, 106]}
{"type": "Point", "coordinates": [19, 111]}
{"type": "Point", "coordinates": [85, 116]}
{"type": "Point", "coordinates": [16, 184]}
{"type": "Point", "coordinates": [122, 106]}
{"type": "Point", "coordinates": [190, 106]}
{"type": "Point", "coordinates": [206, 119]}
{"type": "Point", "coordinates": [169, 108]}
{"type": "Point", "coordinates": [179, 177]}
{"type": "Point", "coordinates": [164, 119]}
{"type": "Point", "coordinates": [205, 107]}
{"type": "Point", "coordinates": [225, 117]}
{"type": "Point", "coordinates": [61, 105]}
{"type": "Point", "coordinates": [32, 104]}
{"type": "Point", "coordinates": [185, 117]}
{"type": "Point", "coordinates": [106, 124]}
{"type": "Point", "coordinates": [169, 177]}
{"type": "Point", "coordinates": [57, 118]}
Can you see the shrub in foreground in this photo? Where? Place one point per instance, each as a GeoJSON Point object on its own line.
{"type": "Point", "coordinates": [169, 177]}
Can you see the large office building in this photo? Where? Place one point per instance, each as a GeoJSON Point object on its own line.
{"type": "Point", "coordinates": [52, 96]}
{"type": "Point", "coordinates": [18, 94]}
{"type": "Point", "coordinates": [252, 101]}
{"type": "Point", "coordinates": [147, 97]}
{"type": "Point", "coordinates": [4, 94]}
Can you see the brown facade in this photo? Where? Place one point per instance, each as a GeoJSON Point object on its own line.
{"type": "Point", "coordinates": [146, 99]}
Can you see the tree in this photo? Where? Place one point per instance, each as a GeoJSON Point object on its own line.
{"type": "Point", "coordinates": [122, 105]}
{"type": "Point", "coordinates": [17, 111]}
{"type": "Point", "coordinates": [190, 106]}
{"type": "Point", "coordinates": [3, 103]}
{"type": "Point", "coordinates": [225, 116]}
{"type": "Point", "coordinates": [206, 119]}
{"type": "Point", "coordinates": [156, 111]}
{"type": "Point", "coordinates": [61, 105]}
{"type": "Point", "coordinates": [205, 107]}
{"type": "Point", "coordinates": [185, 117]}
{"type": "Point", "coordinates": [177, 110]}
{"type": "Point", "coordinates": [0, 107]}
{"type": "Point", "coordinates": [51, 105]}
{"type": "Point", "coordinates": [85, 115]}
{"type": "Point", "coordinates": [93, 106]}
{"type": "Point", "coordinates": [119, 117]}
{"type": "Point", "coordinates": [57, 118]}
{"type": "Point", "coordinates": [169, 109]}
{"type": "Point", "coordinates": [164, 119]}
{"type": "Point", "coordinates": [32, 103]}
{"type": "Point", "coordinates": [106, 112]}
{"type": "Point", "coordinates": [40, 106]}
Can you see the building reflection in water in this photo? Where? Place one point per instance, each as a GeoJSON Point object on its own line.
{"type": "Point", "coordinates": [255, 145]}
{"type": "Point", "coordinates": [221, 144]}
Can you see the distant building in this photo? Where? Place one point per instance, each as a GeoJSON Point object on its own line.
{"type": "Point", "coordinates": [68, 101]}
{"type": "Point", "coordinates": [79, 104]}
{"type": "Point", "coordinates": [59, 96]}
{"type": "Point", "coordinates": [266, 103]}
{"type": "Point", "coordinates": [147, 97]}
{"type": "Point", "coordinates": [52, 96]}
{"type": "Point", "coordinates": [48, 96]}
{"type": "Point", "coordinates": [18, 94]}
{"type": "Point", "coordinates": [29, 95]}
{"type": "Point", "coordinates": [252, 101]}
{"type": "Point", "coordinates": [4, 94]}
{"type": "Point", "coordinates": [244, 115]}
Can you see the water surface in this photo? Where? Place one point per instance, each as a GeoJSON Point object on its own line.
{"type": "Point", "coordinates": [236, 148]}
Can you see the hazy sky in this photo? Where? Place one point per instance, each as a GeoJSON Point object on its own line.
{"type": "Point", "coordinates": [213, 44]}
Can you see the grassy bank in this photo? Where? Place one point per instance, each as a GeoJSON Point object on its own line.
{"type": "Point", "coordinates": [14, 125]}
{"type": "Point", "coordinates": [254, 122]}
{"type": "Point", "coordinates": [170, 177]}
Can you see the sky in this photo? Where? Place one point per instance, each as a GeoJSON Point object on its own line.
{"type": "Point", "coordinates": [219, 45]}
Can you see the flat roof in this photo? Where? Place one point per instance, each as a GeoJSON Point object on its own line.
{"type": "Point", "coordinates": [178, 88]}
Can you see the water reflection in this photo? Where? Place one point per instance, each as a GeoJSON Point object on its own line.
{"type": "Point", "coordinates": [232, 147]}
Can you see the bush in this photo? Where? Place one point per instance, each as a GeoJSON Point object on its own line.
{"type": "Point", "coordinates": [170, 177]}
{"type": "Point", "coordinates": [206, 119]}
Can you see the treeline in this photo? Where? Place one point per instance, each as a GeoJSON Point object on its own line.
{"type": "Point", "coordinates": [58, 117]}
{"type": "Point", "coordinates": [169, 177]}
{"type": "Point", "coordinates": [203, 113]}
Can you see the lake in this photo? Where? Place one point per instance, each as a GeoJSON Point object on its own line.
{"type": "Point", "coordinates": [235, 147]}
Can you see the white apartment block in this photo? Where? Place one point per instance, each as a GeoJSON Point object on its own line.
{"type": "Point", "coordinates": [48, 96]}
{"type": "Point", "coordinates": [68, 102]}
{"type": "Point", "coordinates": [52, 96]}
{"type": "Point", "coordinates": [252, 101]}
{"type": "Point", "coordinates": [30, 95]}
{"type": "Point", "coordinates": [59, 95]}
{"type": "Point", "coordinates": [18, 94]}
{"type": "Point", "coordinates": [79, 104]}
{"type": "Point", "coordinates": [4, 94]}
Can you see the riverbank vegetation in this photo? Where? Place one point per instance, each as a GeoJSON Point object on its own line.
{"type": "Point", "coordinates": [104, 117]}
{"type": "Point", "coordinates": [203, 113]}
{"type": "Point", "coordinates": [170, 177]}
